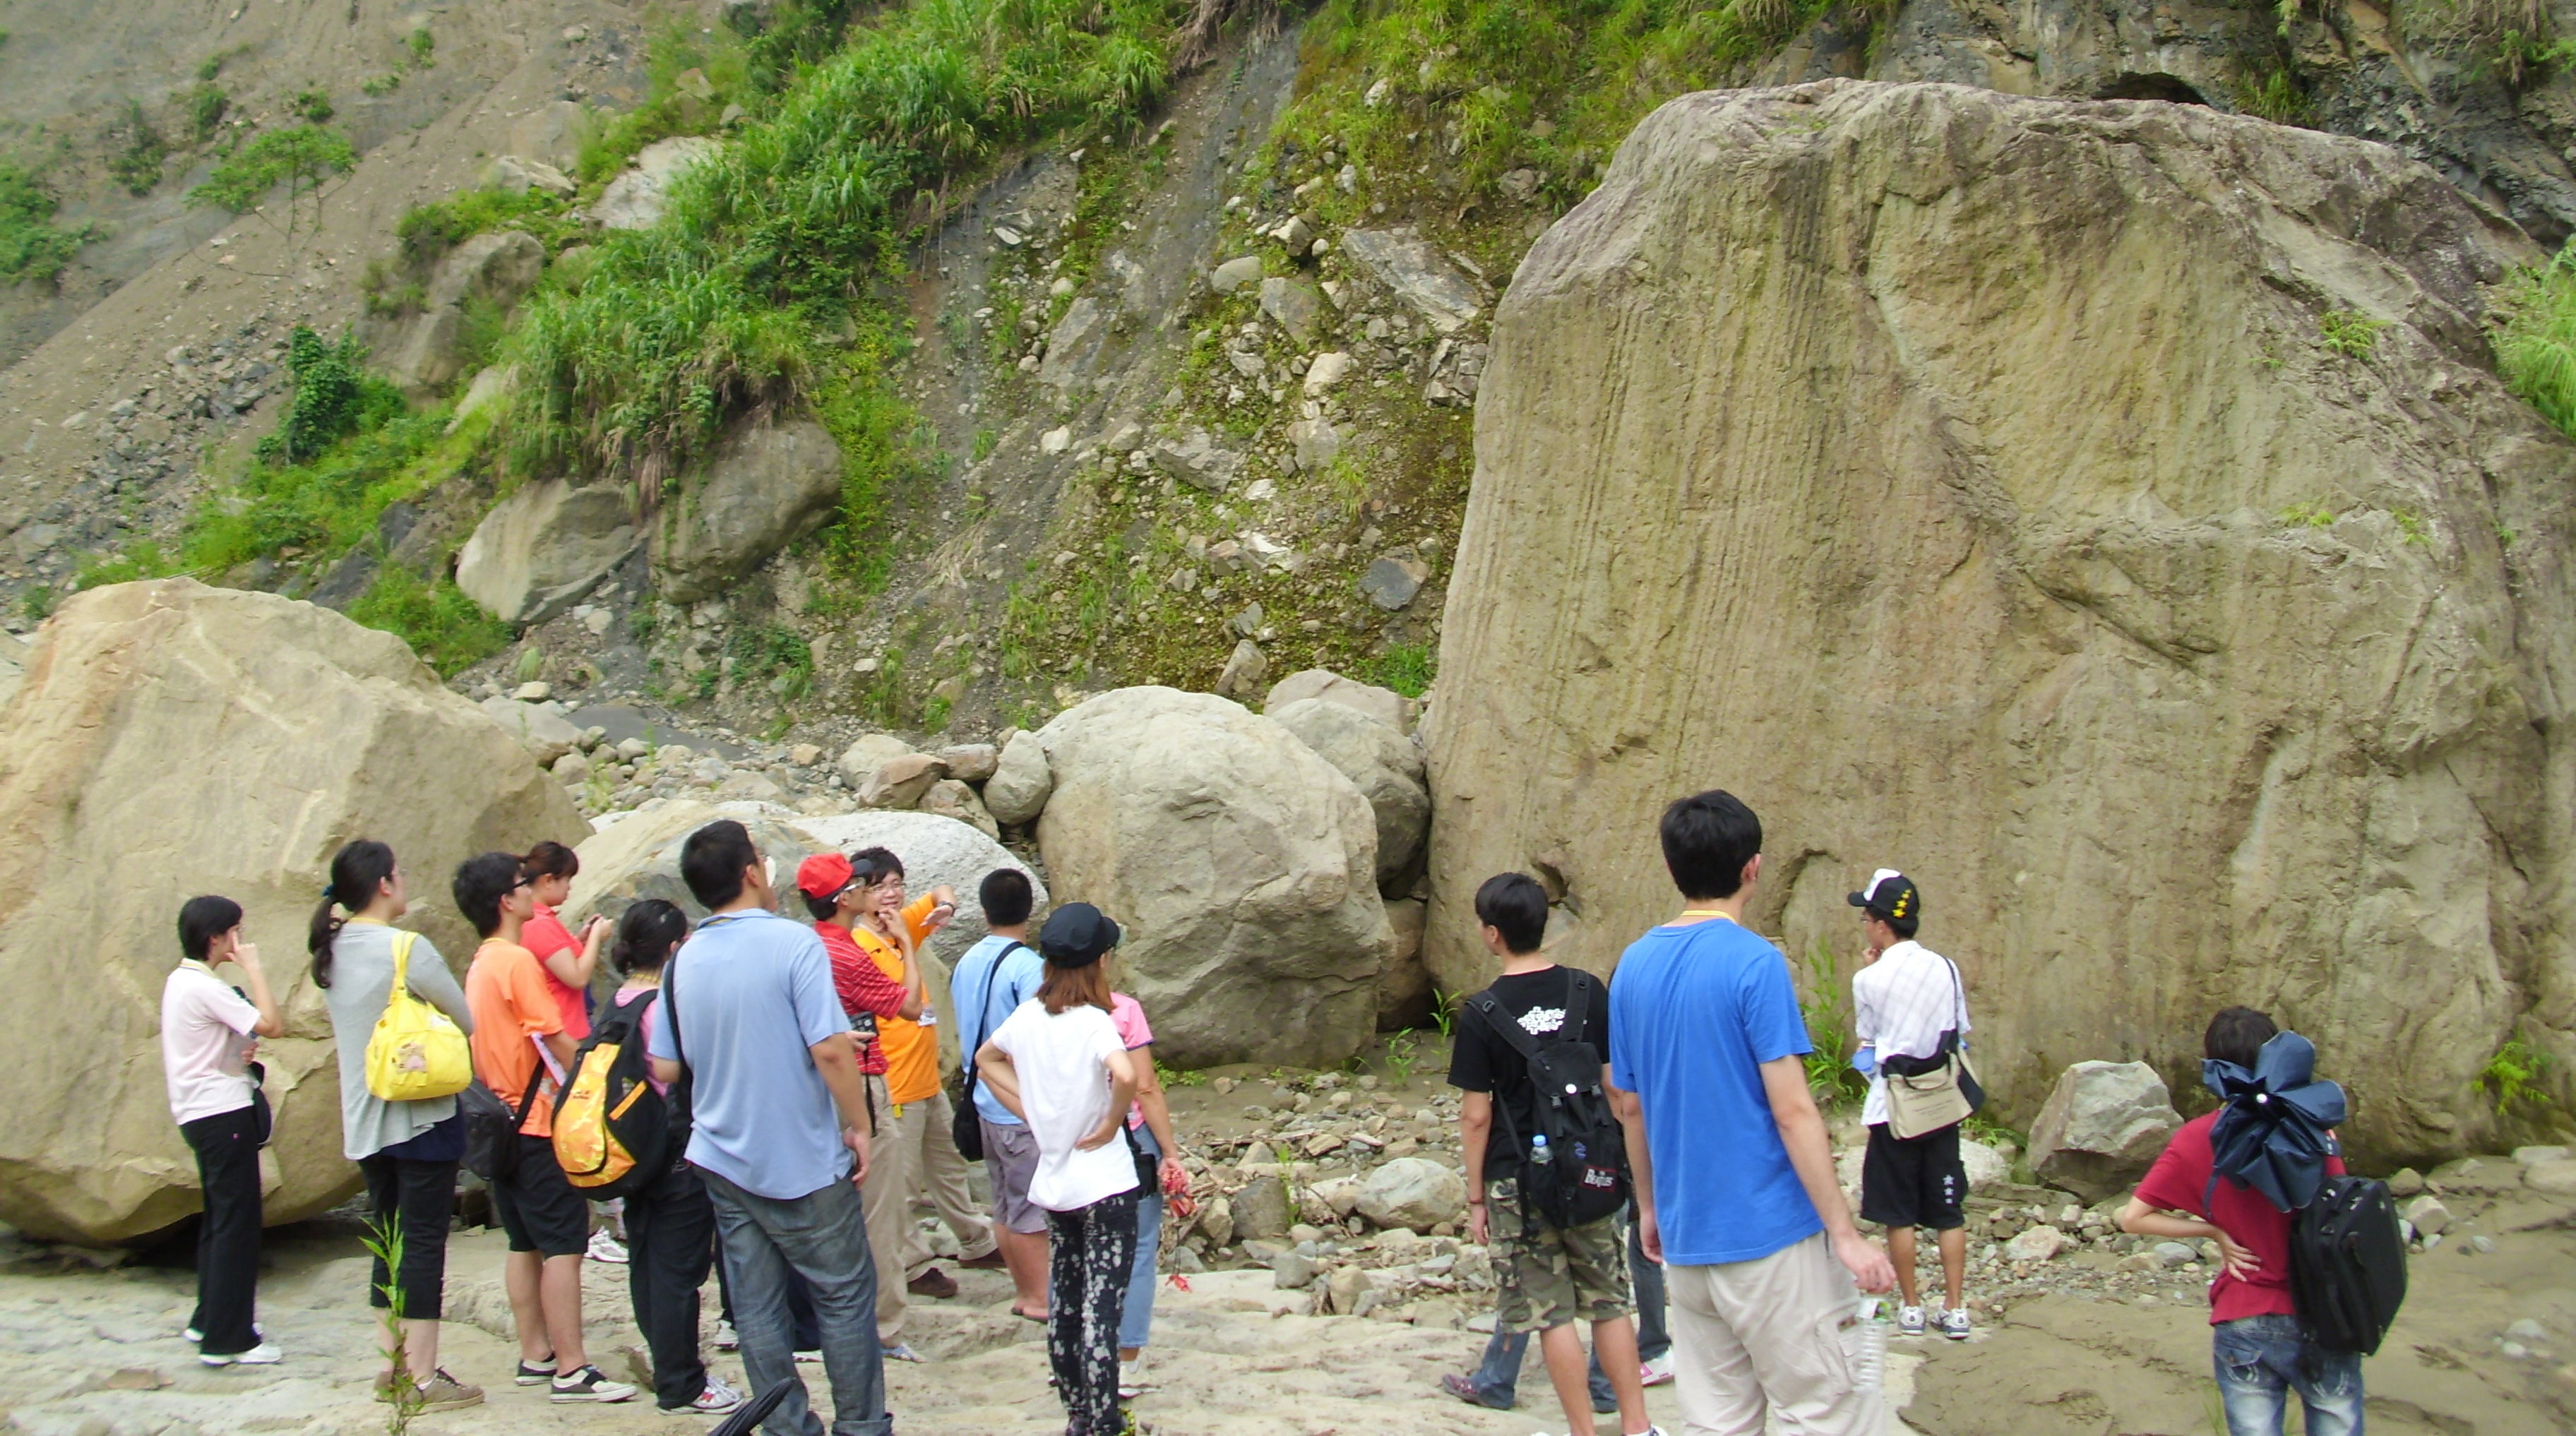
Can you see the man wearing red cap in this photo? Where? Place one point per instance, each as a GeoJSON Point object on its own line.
{"type": "Point", "coordinates": [833, 895]}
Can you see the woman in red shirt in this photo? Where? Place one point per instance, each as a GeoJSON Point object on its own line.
{"type": "Point", "coordinates": [569, 962]}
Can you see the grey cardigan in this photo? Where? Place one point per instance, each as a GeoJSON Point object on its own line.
{"type": "Point", "coordinates": [362, 979]}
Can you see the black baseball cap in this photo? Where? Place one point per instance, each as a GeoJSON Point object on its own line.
{"type": "Point", "coordinates": [1076, 935]}
{"type": "Point", "coordinates": [1890, 897]}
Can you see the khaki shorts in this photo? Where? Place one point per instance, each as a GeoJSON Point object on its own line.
{"type": "Point", "coordinates": [1552, 1278]}
{"type": "Point", "coordinates": [1011, 1159]}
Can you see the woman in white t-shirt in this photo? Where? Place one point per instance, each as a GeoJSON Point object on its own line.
{"type": "Point", "coordinates": [208, 1031]}
{"type": "Point", "coordinates": [1060, 1065]}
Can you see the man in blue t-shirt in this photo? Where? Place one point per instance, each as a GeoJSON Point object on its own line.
{"type": "Point", "coordinates": [780, 1132]}
{"type": "Point", "coordinates": [1735, 1186]}
{"type": "Point", "coordinates": [992, 979]}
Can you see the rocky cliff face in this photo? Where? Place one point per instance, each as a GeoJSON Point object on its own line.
{"type": "Point", "coordinates": [2106, 513]}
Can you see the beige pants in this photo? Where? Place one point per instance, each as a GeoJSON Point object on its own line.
{"type": "Point", "coordinates": [913, 1156]}
{"type": "Point", "coordinates": [1779, 1332]}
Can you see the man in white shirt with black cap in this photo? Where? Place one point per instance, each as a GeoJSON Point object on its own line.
{"type": "Point", "coordinates": [1903, 1003]}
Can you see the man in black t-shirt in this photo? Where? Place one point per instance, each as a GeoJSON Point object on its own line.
{"type": "Point", "coordinates": [1549, 1278]}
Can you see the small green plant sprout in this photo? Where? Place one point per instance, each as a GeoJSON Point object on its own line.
{"type": "Point", "coordinates": [423, 46]}
{"type": "Point", "coordinates": [379, 86]}
{"type": "Point", "coordinates": [313, 106]}
{"type": "Point", "coordinates": [1444, 1010]}
{"type": "Point", "coordinates": [2512, 1077]}
{"type": "Point", "coordinates": [404, 1400]}
{"type": "Point", "coordinates": [1403, 1050]}
{"type": "Point", "coordinates": [1175, 1077]}
{"type": "Point", "coordinates": [2350, 334]}
{"type": "Point", "coordinates": [2506, 534]}
{"type": "Point", "coordinates": [2315, 514]}
{"type": "Point", "coordinates": [2411, 524]}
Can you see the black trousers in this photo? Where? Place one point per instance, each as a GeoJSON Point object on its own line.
{"type": "Point", "coordinates": [416, 1199]}
{"type": "Point", "coordinates": [670, 1234]}
{"type": "Point", "coordinates": [227, 1149]}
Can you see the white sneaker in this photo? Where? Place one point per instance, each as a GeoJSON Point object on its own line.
{"type": "Point", "coordinates": [1658, 1372]}
{"type": "Point", "coordinates": [588, 1384]}
{"type": "Point", "coordinates": [1131, 1380]}
{"type": "Point", "coordinates": [264, 1354]}
{"type": "Point", "coordinates": [901, 1351]}
{"type": "Point", "coordinates": [1954, 1325]}
{"type": "Point", "coordinates": [716, 1400]}
{"type": "Point", "coordinates": [726, 1339]}
{"type": "Point", "coordinates": [1909, 1321]}
{"type": "Point", "coordinates": [604, 1246]}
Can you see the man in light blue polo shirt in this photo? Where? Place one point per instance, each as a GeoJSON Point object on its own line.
{"type": "Point", "coordinates": [780, 1130]}
{"type": "Point", "coordinates": [992, 979]}
{"type": "Point", "coordinates": [1734, 1175]}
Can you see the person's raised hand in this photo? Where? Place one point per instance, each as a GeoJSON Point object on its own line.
{"type": "Point", "coordinates": [1862, 1258]}
{"type": "Point", "coordinates": [246, 955]}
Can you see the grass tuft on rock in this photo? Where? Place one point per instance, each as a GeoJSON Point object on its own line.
{"type": "Point", "coordinates": [2536, 347]}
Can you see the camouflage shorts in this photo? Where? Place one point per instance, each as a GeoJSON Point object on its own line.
{"type": "Point", "coordinates": [1550, 1277]}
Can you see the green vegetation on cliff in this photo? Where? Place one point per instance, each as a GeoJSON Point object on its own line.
{"type": "Point", "coordinates": [33, 249]}
{"type": "Point", "coordinates": [790, 234]}
{"type": "Point", "coordinates": [2537, 345]}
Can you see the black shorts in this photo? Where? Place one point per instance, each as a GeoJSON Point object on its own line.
{"type": "Point", "coordinates": [537, 1207]}
{"type": "Point", "coordinates": [1914, 1182]}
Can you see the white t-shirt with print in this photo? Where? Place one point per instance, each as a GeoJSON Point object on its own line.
{"type": "Point", "coordinates": [1064, 1089]}
{"type": "Point", "coordinates": [205, 1043]}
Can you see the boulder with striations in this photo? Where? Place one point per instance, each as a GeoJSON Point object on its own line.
{"type": "Point", "coordinates": [1803, 384]}
{"type": "Point", "coordinates": [1386, 767]}
{"type": "Point", "coordinates": [174, 739]}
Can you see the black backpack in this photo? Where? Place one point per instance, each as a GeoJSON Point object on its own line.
{"type": "Point", "coordinates": [1585, 1175]}
{"type": "Point", "coordinates": [492, 1128]}
{"type": "Point", "coordinates": [2348, 1264]}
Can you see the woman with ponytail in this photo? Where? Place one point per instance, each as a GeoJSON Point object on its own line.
{"type": "Point", "coordinates": [670, 1222]}
{"type": "Point", "coordinates": [409, 1151]}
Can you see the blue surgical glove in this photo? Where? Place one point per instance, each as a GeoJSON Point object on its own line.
{"type": "Point", "coordinates": [1865, 1061]}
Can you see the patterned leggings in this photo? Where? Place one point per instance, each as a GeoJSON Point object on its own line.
{"type": "Point", "coordinates": [1087, 1293]}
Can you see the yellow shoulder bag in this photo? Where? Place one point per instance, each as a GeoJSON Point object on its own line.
{"type": "Point", "coordinates": [416, 1053]}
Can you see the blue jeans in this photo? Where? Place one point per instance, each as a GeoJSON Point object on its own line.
{"type": "Point", "coordinates": [1497, 1381]}
{"type": "Point", "coordinates": [2260, 1360]}
{"type": "Point", "coordinates": [1136, 1322]}
{"type": "Point", "coordinates": [822, 1237]}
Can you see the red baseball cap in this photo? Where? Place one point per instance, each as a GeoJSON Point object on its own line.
{"type": "Point", "coordinates": [823, 875]}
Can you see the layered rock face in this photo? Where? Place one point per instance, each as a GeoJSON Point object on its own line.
{"type": "Point", "coordinates": [1242, 865]}
{"type": "Point", "coordinates": [2106, 513]}
{"type": "Point", "coordinates": [172, 740]}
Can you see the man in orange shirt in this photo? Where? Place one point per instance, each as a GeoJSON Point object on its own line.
{"type": "Point", "coordinates": [518, 1024]}
{"type": "Point", "coordinates": [915, 1150]}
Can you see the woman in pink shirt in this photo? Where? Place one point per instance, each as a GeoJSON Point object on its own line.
{"type": "Point", "coordinates": [1149, 1125]}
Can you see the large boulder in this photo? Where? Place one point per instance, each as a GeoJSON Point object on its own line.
{"type": "Point", "coordinates": [1242, 865]}
{"type": "Point", "coordinates": [1382, 763]}
{"type": "Point", "coordinates": [637, 198]}
{"type": "Point", "coordinates": [541, 728]}
{"type": "Point", "coordinates": [171, 740]}
{"type": "Point", "coordinates": [766, 486]}
{"type": "Point", "coordinates": [539, 550]}
{"type": "Point", "coordinates": [2102, 1127]}
{"type": "Point", "coordinates": [2213, 660]}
